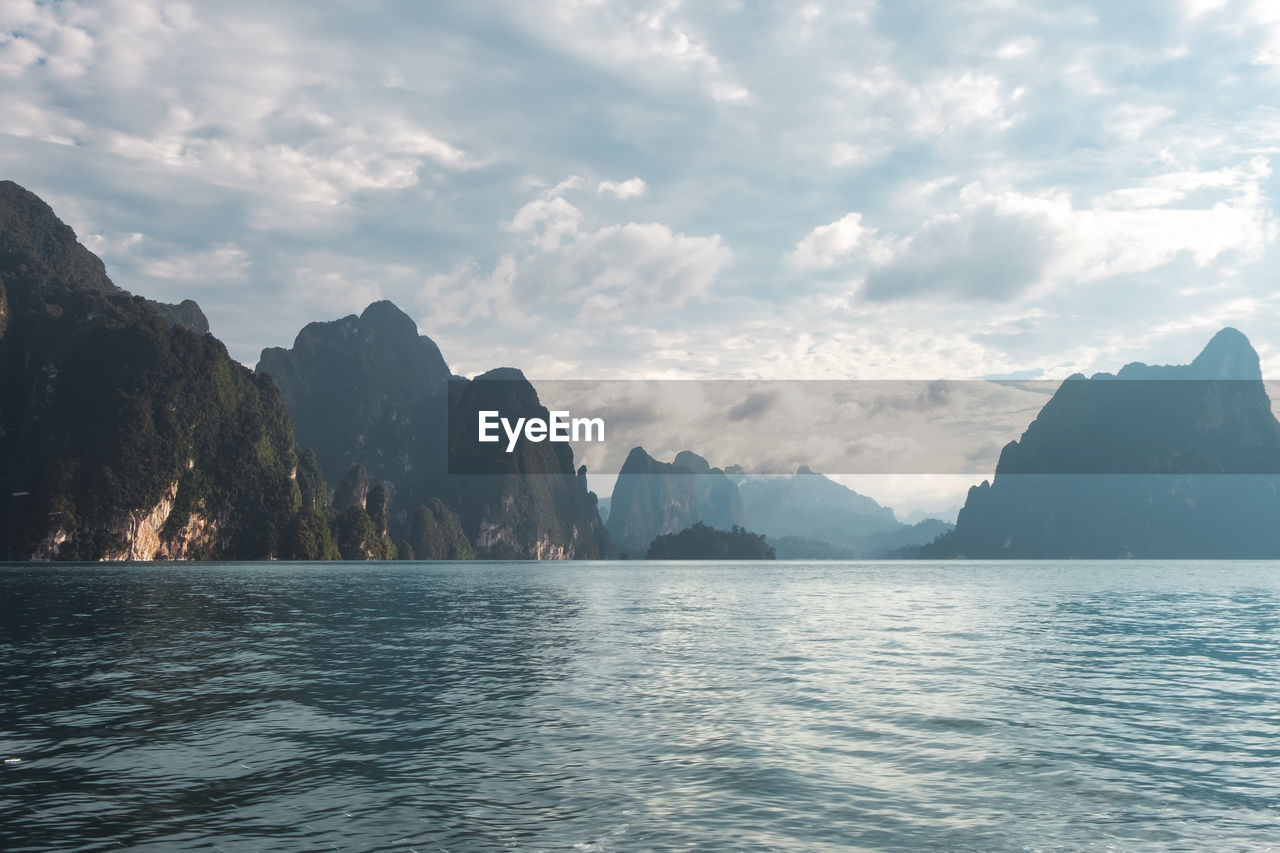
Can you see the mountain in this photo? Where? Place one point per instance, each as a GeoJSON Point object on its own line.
{"type": "Point", "coordinates": [810, 505]}
{"type": "Point", "coordinates": [526, 504]}
{"type": "Point", "coordinates": [31, 231]}
{"type": "Point", "coordinates": [905, 540]}
{"type": "Point", "coordinates": [917, 515]}
{"type": "Point", "coordinates": [369, 391]}
{"type": "Point", "coordinates": [125, 431]}
{"type": "Point", "coordinates": [1155, 461]}
{"type": "Point", "coordinates": [810, 516]}
{"type": "Point", "coordinates": [651, 498]}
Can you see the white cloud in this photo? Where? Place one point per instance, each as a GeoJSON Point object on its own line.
{"type": "Point", "coordinates": [223, 99]}
{"type": "Point", "coordinates": [1102, 241]}
{"type": "Point", "coordinates": [548, 222]}
{"type": "Point", "coordinates": [827, 245]}
{"type": "Point", "coordinates": [982, 253]}
{"type": "Point", "coordinates": [17, 54]}
{"type": "Point", "coordinates": [324, 290]}
{"type": "Point", "coordinates": [623, 190]}
{"type": "Point", "coordinates": [942, 103]}
{"type": "Point", "coordinates": [632, 265]}
{"type": "Point", "coordinates": [648, 40]}
{"type": "Point", "coordinates": [382, 154]}
{"type": "Point", "coordinates": [603, 270]}
{"type": "Point", "coordinates": [1016, 48]}
{"type": "Point", "coordinates": [24, 118]}
{"type": "Point", "coordinates": [999, 244]}
{"type": "Point", "coordinates": [224, 263]}
{"type": "Point", "coordinates": [466, 294]}
{"type": "Point", "coordinates": [1132, 122]}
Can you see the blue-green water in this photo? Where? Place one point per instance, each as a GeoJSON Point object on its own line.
{"type": "Point", "coordinates": [640, 706]}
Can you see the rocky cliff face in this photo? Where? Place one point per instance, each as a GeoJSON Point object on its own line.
{"type": "Point", "coordinates": [527, 504]}
{"type": "Point", "coordinates": [144, 534]}
{"type": "Point", "coordinates": [29, 230]}
{"type": "Point", "coordinates": [122, 434]}
{"type": "Point", "coordinates": [652, 498]}
{"type": "Point", "coordinates": [1155, 461]}
{"type": "Point", "coordinates": [369, 391]}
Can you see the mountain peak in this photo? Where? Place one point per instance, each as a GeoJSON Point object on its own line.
{"type": "Point", "coordinates": [386, 314]}
{"type": "Point", "coordinates": [30, 230]}
{"type": "Point", "coordinates": [502, 374]}
{"type": "Point", "coordinates": [693, 462]}
{"type": "Point", "coordinates": [1228, 355]}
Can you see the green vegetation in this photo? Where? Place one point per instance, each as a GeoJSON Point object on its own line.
{"type": "Point", "coordinates": [308, 538]}
{"type": "Point", "coordinates": [437, 535]}
{"type": "Point", "coordinates": [107, 410]}
{"type": "Point", "coordinates": [701, 542]}
{"type": "Point", "coordinates": [369, 391]}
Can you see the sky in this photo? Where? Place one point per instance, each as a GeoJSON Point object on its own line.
{"type": "Point", "coordinates": [715, 190]}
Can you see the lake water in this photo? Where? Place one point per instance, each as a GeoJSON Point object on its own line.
{"type": "Point", "coordinates": [641, 706]}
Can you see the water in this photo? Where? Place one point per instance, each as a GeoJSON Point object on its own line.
{"type": "Point", "coordinates": [633, 706]}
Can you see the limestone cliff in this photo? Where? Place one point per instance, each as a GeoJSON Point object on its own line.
{"type": "Point", "coordinates": [125, 431]}
{"type": "Point", "coordinates": [529, 504]}
{"type": "Point", "coordinates": [1155, 461]}
{"type": "Point", "coordinates": [652, 498]}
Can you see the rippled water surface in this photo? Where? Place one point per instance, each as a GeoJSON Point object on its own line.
{"type": "Point", "coordinates": [634, 706]}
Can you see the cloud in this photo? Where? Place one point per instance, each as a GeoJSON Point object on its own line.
{"type": "Point", "coordinates": [846, 189]}
{"type": "Point", "coordinates": [943, 103]}
{"type": "Point", "coordinates": [984, 253]}
{"type": "Point", "coordinates": [219, 98]}
{"type": "Point", "coordinates": [548, 222]}
{"type": "Point", "coordinates": [827, 245]}
{"type": "Point", "coordinates": [560, 258]}
{"type": "Point", "coordinates": [623, 190]}
{"type": "Point", "coordinates": [632, 264]}
{"type": "Point", "coordinates": [466, 294]}
{"type": "Point", "coordinates": [224, 263]}
{"type": "Point", "coordinates": [655, 42]}
{"type": "Point", "coordinates": [999, 244]}
{"type": "Point", "coordinates": [635, 264]}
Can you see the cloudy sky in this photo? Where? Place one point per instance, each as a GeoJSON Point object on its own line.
{"type": "Point", "coordinates": [720, 189]}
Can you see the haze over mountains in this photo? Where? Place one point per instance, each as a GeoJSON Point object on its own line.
{"type": "Point", "coordinates": [806, 515]}
{"type": "Point", "coordinates": [128, 433]}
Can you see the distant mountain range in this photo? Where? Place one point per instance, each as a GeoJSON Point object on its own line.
{"type": "Point", "coordinates": [127, 432]}
{"type": "Point", "coordinates": [805, 515]}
